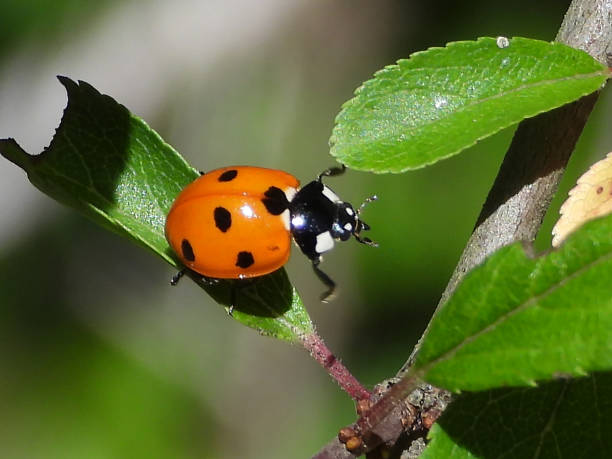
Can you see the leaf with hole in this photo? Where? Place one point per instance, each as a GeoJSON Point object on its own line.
{"type": "Point", "coordinates": [110, 166]}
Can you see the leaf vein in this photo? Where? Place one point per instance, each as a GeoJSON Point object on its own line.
{"type": "Point", "coordinates": [521, 307]}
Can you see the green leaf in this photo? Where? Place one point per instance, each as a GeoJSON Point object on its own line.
{"type": "Point", "coordinates": [563, 418]}
{"type": "Point", "coordinates": [110, 166]}
{"type": "Point", "coordinates": [516, 319]}
{"type": "Point", "coordinates": [269, 304]}
{"type": "Point", "coordinates": [443, 100]}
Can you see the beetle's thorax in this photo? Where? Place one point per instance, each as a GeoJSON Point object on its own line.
{"type": "Point", "coordinates": [318, 217]}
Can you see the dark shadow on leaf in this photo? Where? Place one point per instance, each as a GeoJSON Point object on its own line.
{"type": "Point", "coordinates": [110, 166]}
{"type": "Point", "coordinates": [572, 415]}
{"type": "Point", "coordinates": [266, 296]}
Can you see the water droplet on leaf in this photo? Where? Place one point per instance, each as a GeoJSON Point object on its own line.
{"type": "Point", "coordinates": [503, 42]}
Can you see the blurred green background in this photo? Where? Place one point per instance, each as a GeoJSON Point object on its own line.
{"type": "Point", "coordinates": [99, 356]}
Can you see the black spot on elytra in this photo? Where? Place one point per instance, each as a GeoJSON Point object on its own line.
{"type": "Point", "coordinates": [187, 250]}
{"type": "Point", "coordinates": [275, 200]}
{"type": "Point", "coordinates": [244, 259]}
{"type": "Point", "coordinates": [223, 218]}
{"type": "Point", "coordinates": [228, 176]}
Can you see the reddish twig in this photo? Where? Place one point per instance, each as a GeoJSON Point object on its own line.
{"type": "Point", "coordinates": [321, 353]}
{"type": "Point", "coordinates": [514, 208]}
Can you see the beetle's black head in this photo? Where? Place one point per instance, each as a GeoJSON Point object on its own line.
{"type": "Point", "coordinates": [346, 221]}
{"type": "Point", "coordinates": [319, 217]}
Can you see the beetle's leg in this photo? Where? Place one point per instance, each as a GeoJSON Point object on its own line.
{"type": "Point", "coordinates": [213, 281]}
{"type": "Point", "coordinates": [330, 284]}
{"type": "Point", "coordinates": [365, 240]}
{"type": "Point", "coordinates": [202, 172]}
{"type": "Point", "coordinates": [209, 281]}
{"type": "Point", "coordinates": [177, 277]}
{"type": "Point", "coordinates": [363, 226]}
{"type": "Point", "coordinates": [236, 286]}
{"type": "Point", "coordinates": [331, 172]}
{"type": "Point", "coordinates": [233, 297]}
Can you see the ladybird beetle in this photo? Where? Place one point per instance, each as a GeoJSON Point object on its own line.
{"type": "Point", "coordinates": [237, 222]}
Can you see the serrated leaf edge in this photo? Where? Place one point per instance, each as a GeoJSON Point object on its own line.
{"type": "Point", "coordinates": [421, 371]}
{"type": "Point", "coordinates": [605, 72]}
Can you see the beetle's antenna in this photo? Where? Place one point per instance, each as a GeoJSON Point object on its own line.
{"type": "Point", "coordinates": [365, 203]}
{"type": "Point", "coordinates": [177, 277]}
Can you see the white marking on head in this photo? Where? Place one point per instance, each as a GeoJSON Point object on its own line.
{"type": "Point", "coordinates": [349, 211]}
{"type": "Point", "coordinates": [348, 227]}
{"type": "Point", "coordinates": [325, 242]}
{"type": "Point", "coordinates": [290, 193]}
{"type": "Point", "coordinates": [329, 194]}
{"type": "Point", "coordinates": [286, 219]}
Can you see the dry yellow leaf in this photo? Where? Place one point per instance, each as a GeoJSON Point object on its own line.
{"type": "Point", "coordinates": [589, 199]}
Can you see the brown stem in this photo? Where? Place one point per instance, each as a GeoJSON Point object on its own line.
{"type": "Point", "coordinates": [321, 353]}
{"type": "Point", "coordinates": [537, 157]}
{"type": "Point", "coordinates": [519, 198]}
